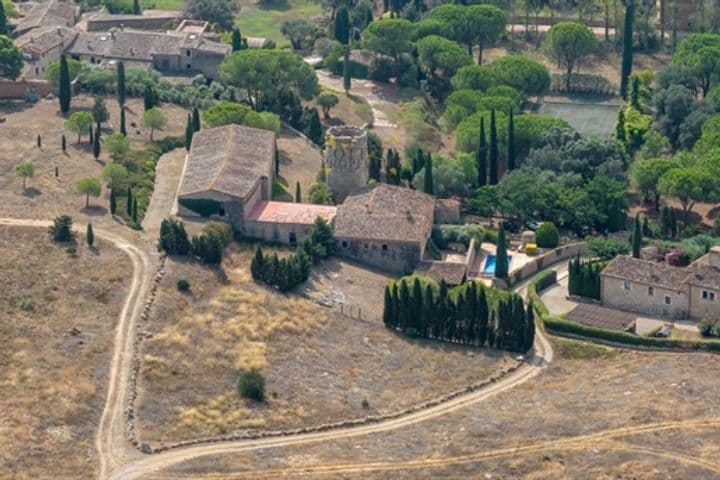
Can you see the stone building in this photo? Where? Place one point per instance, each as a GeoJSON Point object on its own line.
{"type": "Point", "coordinates": [284, 222]}
{"type": "Point", "coordinates": [346, 159]}
{"type": "Point", "coordinates": [385, 226]}
{"type": "Point", "coordinates": [147, 20]}
{"type": "Point", "coordinates": [656, 288]}
{"type": "Point", "coordinates": [170, 53]}
{"type": "Point", "coordinates": [42, 46]}
{"type": "Point", "coordinates": [52, 13]}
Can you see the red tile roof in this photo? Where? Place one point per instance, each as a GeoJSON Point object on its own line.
{"type": "Point", "coordinates": [293, 213]}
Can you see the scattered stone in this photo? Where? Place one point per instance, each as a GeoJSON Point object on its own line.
{"type": "Point", "coordinates": [74, 332]}
{"type": "Point", "coordinates": [145, 448]}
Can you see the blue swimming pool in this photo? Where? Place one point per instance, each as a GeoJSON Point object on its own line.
{"type": "Point", "coordinates": [490, 264]}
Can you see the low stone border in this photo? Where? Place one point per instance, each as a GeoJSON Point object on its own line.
{"type": "Point", "coordinates": [625, 346]}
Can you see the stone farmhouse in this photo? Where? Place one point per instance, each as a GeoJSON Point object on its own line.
{"type": "Point", "coordinates": [655, 288]}
{"type": "Point", "coordinates": [148, 20]}
{"type": "Point", "coordinates": [170, 53]}
{"type": "Point", "coordinates": [228, 176]}
{"type": "Point", "coordinates": [42, 46]}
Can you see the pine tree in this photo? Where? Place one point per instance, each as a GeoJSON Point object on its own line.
{"type": "Point", "coordinates": [236, 40]}
{"type": "Point", "coordinates": [347, 81]}
{"type": "Point", "coordinates": [429, 182]}
{"type": "Point", "coordinates": [129, 204]}
{"type": "Point", "coordinates": [501, 257]}
{"type": "Point", "coordinates": [96, 145]}
{"type": "Point", "coordinates": [341, 30]}
{"type": "Point", "coordinates": [89, 235]}
{"type": "Point", "coordinates": [64, 92]}
{"type": "Point", "coordinates": [627, 53]}
{"type": "Point", "coordinates": [635, 93]}
{"type": "Point", "coordinates": [511, 143]}
{"type": "Point", "coordinates": [189, 131]}
{"type": "Point", "coordinates": [63, 143]}
{"type": "Point", "coordinates": [637, 238]}
{"type": "Point", "coordinates": [620, 134]}
{"type": "Point", "coordinates": [493, 150]}
{"type": "Point", "coordinates": [298, 193]}
{"type": "Point", "coordinates": [136, 7]}
{"type": "Point", "coordinates": [3, 21]}
{"type": "Point", "coordinates": [121, 85]}
{"type": "Point", "coordinates": [113, 202]}
{"type": "Point", "coordinates": [481, 156]}
{"type": "Point", "coordinates": [196, 119]}
{"type": "Point", "coordinates": [123, 130]}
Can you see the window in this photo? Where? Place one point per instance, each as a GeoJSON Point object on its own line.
{"type": "Point", "coordinates": [708, 295]}
{"type": "Point", "coordinates": [668, 300]}
{"type": "Point", "coordinates": [365, 246]}
{"type": "Point", "coordinates": [344, 244]}
{"type": "Point", "coordinates": [384, 247]}
{"type": "Point", "coordinates": [626, 285]}
{"type": "Point", "coordinates": [188, 66]}
{"type": "Point", "coordinates": [651, 291]}
{"type": "Point", "coordinates": [187, 53]}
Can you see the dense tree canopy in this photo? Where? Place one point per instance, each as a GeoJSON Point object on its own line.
{"type": "Point", "coordinates": [700, 52]}
{"type": "Point", "coordinates": [221, 12]}
{"type": "Point", "coordinates": [522, 73]}
{"type": "Point", "coordinates": [568, 43]}
{"type": "Point", "coordinates": [389, 36]}
{"type": "Point", "coordinates": [11, 59]}
{"type": "Point", "coordinates": [440, 58]}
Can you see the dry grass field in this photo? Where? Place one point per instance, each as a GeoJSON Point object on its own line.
{"type": "Point", "coordinates": [56, 329]}
{"type": "Point", "coordinates": [319, 365]}
{"type": "Point", "coordinates": [46, 195]}
{"type": "Point", "coordinates": [587, 390]}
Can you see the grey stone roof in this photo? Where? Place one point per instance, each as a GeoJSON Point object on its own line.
{"type": "Point", "coordinates": [386, 212]}
{"type": "Point", "coordinates": [229, 159]}
{"type": "Point", "coordinates": [51, 13]}
{"type": "Point", "coordinates": [43, 39]}
{"type": "Point", "coordinates": [139, 45]}
{"type": "Point", "coordinates": [704, 276]}
{"type": "Point", "coordinates": [452, 273]}
{"type": "Point", "coordinates": [647, 272]}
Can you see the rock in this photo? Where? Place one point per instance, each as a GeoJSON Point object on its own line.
{"type": "Point", "coordinates": [145, 448]}
{"type": "Point", "coordinates": [74, 332]}
{"type": "Point", "coordinates": [470, 354]}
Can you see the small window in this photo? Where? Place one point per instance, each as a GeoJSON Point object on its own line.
{"type": "Point", "coordinates": [668, 300]}
{"type": "Point", "coordinates": [221, 211]}
{"type": "Point", "coordinates": [384, 247]}
{"type": "Point", "coordinates": [188, 66]}
{"type": "Point", "coordinates": [651, 291]}
{"type": "Point", "coordinates": [344, 244]}
{"type": "Point", "coordinates": [708, 295]}
{"type": "Point", "coordinates": [187, 53]}
{"type": "Point", "coordinates": [365, 246]}
{"type": "Point", "coordinates": [626, 285]}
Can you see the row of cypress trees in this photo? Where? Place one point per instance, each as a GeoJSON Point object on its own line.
{"type": "Point", "coordinates": [584, 278]}
{"type": "Point", "coordinates": [174, 240]}
{"type": "Point", "coordinates": [486, 157]}
{"type": "Point", "coordinates": [465, 316]}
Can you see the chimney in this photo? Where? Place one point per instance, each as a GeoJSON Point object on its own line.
{"type": "Point", "coordinates": [714, 256]}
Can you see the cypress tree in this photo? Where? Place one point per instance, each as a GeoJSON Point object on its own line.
{"type": "Point", "coordinates": [322, 174]}
{"type": "Point", "coordinates": [620, 134]}
{"type": "Point", "coordinates": [673, 223]}
{"type": "Point", "coordinates": [342, 26]}
{"type": "Point", "coordinates": [39, 141]}
{"type": "Point", "coordinates": [529, 328]}
{"type": "Point", "coordinates": [635, 93]}
{"type": "Point", "coordinates": [440, 311]}
{"type": "Point", "coordinates": [236, 42]}
{"type": "Point", "coordinates": [113, 202]}
{"type": "Point", "coordinates": [196, 119]}
{"type": "Point", "coordinates": [63, 143]}
{"type": "Point", "coordinates": [136, 7]}
{"type": "Point", "coordinates": [57, 172]}
{"type": "Point", "coordinates": [149, 99]}
{"type": "Point", "coordinates": [129, 204]}
{"type": "Point", "coordinates": [637, 238]}
{"type": "Point", "coordinates": [417, 305]}
{"type": "Point", "coordinates": [493, 150]}
{"type": "Point", "coordinates": [429, 183]}
{"type": "Point", "coordinates": [646, 227]}
{"type": "Point", "coordinates": [96, 145]}
{"type": "Point", "coordinates": [91, 137]}
{"type": "Point", "coordinates": [428, 310]}
{"type": "Point", "coordinates": [64, 93]}
{"type": "Point", "coordinates": [277, 161]}
{"type": "Point", "coordinates": [314, 127]}
{"type": "Point", "coordinates": [347, 81]}
{"type": "Point", "coordinates": [257, 265]}
{"type": "Point", "coordinates": [123, 130]}
{"type": "Point", "coordinates": [135, 211]}
{"type": "Point", "coordinates": [405, 309]}
{"type": "Point", "coordinates": [482, 317]}
{"type": "Point", "coordinates": [511, 143]}
{"type": "Point", "coordinates": [501, 257]}
{"type": "Point", "coordinates": [481, 158]}
{"type": "Point", "coordinates": [3, 21]}
{"type": "Point", "coordinates": [627, 53]}
{"type": "Point", "coordinates": [374, 168]}
{"type": "Point", "coordinates": [89, 235]}
{"type": "Point", "coordinates": [395, 306]}
{"type": "Point", "coordinates": [387, 307]}
{"type": "Point", "coordinates": [470, 335]}
{"type": "Point", "coordinates": [298, 193]}
{"type": "Point", "coordinates": [189, 131]}
{"type": "Point", "coordinates": [121, 85]}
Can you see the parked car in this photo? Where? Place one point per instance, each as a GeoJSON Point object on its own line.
{"type": "Point", "coordinates": [583, 231]}
{"type": "Point", "coordinates": [511, 225]}
{"type": "Point", "coordinates": [532, 225]}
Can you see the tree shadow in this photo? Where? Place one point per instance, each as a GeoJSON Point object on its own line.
{"type": "Point", "coordinates": [276, 5]}
{"type": "Point", "coordinates": [31, 192]}
{"type": "Point", "coordinates": [94, 211]}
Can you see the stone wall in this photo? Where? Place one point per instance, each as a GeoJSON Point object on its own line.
{"type": "Point", "coordinates": [638, 298]}
{"type": "Point", "coordinates": [276, 232]}
{"type": "Point", "coordinates": [396, 257]}
{"type": "Point", "coordinates": [16, 90]}
{"type": "Point", "coordinates": [541, 262]}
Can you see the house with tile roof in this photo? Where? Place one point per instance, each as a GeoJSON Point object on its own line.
{"type": "Point", "coordinates": [52, 13]}
{"type": "Point", "coordinates": [658, 289]}
{"type": "Point", "coordinates": [42, 46]}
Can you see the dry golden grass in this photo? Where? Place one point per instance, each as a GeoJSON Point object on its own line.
{"type": "Point", "coordinates": [52, 382]}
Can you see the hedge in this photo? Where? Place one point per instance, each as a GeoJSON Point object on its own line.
{"type": "Point", "coordinates": [544, 279]}
{"type": "Point", "coordinates": [557, 324]}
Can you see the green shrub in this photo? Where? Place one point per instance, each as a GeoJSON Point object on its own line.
{"type": "Point", "coordinates": [709, 327]}
{"type": "Point", "coordinates": [607, 248]}
{"type": "Point", "coordinates": [252, 385]}
{"type": "Point", "coordinates": [442, 235]}
{"type": "Point", "coordinates": [27, 304]}
{"type": "Point", "coordinates": [547, 235]}
{"type": "Point", "coordinates": [183, 285]}
{"type": "Point", "coordinates": [222, 230]}
{"type": "Point", "coordinates": [544, 279]}
{"type": "Point", "coordinates": [61, 230]}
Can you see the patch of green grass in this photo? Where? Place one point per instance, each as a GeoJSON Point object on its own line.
{"type": "Point", "coordinates": [257, 22]}
{"type": "Point", "coordinates": [364, 111]}
{"type": "Point", "coordinates": [163, 4]}
{"type": "Point", "coordinates": [577, 350]}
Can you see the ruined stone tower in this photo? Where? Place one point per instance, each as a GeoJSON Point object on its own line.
{"type": "Point", "coordinates": [346, 159]}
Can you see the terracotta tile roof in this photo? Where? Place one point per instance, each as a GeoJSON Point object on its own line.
{"type": "Point", "coordinates": [40, 40]}
{"type": "Point", "coordinates": [452, 273]}
{"type": "Point", "coordinates": [647, 272]}
{"type": "Point", "coordinates": [229, 159]}
{"type": "Point", "coordinates": [293, 213]}
{"type": "Point", "coordinates": [386, 212]}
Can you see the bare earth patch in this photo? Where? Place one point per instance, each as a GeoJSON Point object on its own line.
{"type": "Point", "coordinates": [597, 392]}
{"type": "Point", "coordinates": [319, 365]}
{"type": "Point", "coordinates": [56, 330]}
